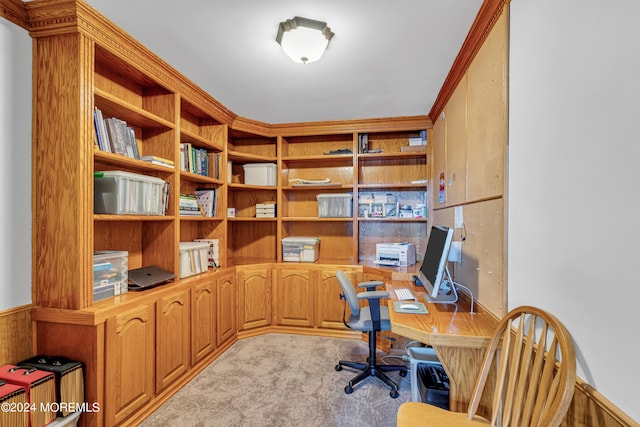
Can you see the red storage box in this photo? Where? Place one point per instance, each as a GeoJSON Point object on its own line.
{"type": "Point", "coordinates": [41, 391]}
{"type": "Point", "coordinates": [15, 404]}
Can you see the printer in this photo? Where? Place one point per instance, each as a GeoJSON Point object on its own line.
{"type": "Point", "coordinates": [395, 254]}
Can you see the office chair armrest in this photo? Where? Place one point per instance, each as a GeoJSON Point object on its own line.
{"type": "Point", "coordinates": [371, 285]}
{"type": "Point", "coordinates": [373, 295]}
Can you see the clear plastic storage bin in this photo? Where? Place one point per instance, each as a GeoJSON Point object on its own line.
{"type": "Point", "coordinates": [194, 258]}
{"type": "Point", "coordinates": [110, 274]}
{"type": "Point", "coordinates": [300, 249]}
{"type": "Point", "coordinates": [335, 205]}
{"type": "Point", "coordinates": [119, 192]}
{"type": "Point", "coordinates": [260, 174]}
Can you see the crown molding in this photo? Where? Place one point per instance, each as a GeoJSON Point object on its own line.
{"type": "Point", "coordinates": [14, 11]}
{"type": "Point", "coordinates": [49, 17]}
{"type": "Point", "coordinates": [487, 16]}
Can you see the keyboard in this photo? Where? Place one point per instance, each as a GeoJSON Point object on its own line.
{"type": "Point", "coordinates": [404, 294]}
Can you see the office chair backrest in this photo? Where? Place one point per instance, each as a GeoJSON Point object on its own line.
{"type": "Point", "coordinates": [349, 292]}
{"type": "Point", "coordinates": [536, 370]}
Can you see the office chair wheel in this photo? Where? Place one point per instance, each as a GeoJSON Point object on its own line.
{"type": "Point", "coordinates": [394, 394]}
{"type": "Point", "coordinates": [348, 389]}
{"type": "Point", "coordinates": [338, 367]}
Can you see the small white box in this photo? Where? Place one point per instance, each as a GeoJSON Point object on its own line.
{"type": "Point", "coordinates": [300, 249]}
{"type": "Point", "coordinates": [194, 258]}
{"type": "Point", "coordinates": [260, 174]}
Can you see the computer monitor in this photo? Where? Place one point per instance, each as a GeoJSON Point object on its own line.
{"type": "Point", "coordinates": [434, 275]}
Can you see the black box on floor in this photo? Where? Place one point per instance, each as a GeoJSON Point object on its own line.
{"type": "Point", "coordinates": [433, 384]}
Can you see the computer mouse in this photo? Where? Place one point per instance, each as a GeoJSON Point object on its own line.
{"type": "Point", "coordinates": [409, 306]}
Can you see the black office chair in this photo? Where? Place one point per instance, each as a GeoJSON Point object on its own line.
{"type": "Point", "coordinates": [371, 318]}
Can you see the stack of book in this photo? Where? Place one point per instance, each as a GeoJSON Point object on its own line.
{"type": "Point", "coordinates": [189, 205]}
{"type": "Point", "coordinates": [115, 136]}
{"type": "Point", "coordinates": [156, 160]}
{"type": "Point", "coordinates": [199, 161]}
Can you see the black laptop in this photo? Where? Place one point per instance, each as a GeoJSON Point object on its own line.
{"type": "Point", "coordinates": [148, 277]}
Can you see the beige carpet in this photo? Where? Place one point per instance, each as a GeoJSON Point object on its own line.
{"type": "Point", "coordinates": [284, 380]}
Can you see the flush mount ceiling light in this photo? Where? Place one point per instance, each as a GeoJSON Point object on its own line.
{"type": "Point", "coordinates": [303, 40]}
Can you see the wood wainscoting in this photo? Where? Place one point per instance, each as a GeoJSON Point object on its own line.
{"type": "Point", "coordinates": [589, 408]}
{"type": "Point", "coordinates": [15, 335]}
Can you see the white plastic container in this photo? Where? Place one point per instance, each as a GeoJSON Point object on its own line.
{"type": "Point", "coordinates": [260, 174]}
{"type": "Point", "coordinates": [110, 274]}
{"type": "Point", "coordinates": [126, 193]}
{"type": "Point", "coordinates": [338, 205]}
{"type": "Point", "coordinates": [418, 355]}
{"type": "Point", "coordinates": [300, 249]}
{"type": "Point", "coordinates": [70, 420]}
{"type": "Point", "coordinates": [194, 258]}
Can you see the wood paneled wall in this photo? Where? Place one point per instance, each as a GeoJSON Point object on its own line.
{"type": "Point", "coordinates": [15, 335]}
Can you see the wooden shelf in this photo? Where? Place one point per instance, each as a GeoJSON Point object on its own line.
{"type": "Point", "coordinates": [194, 177]}
{"type": "Point", "coordinates": [392, 219]}
{"type": "Point", "coordinates": [118, 160]}
{"type": "Point", "coordinates": [142, 218]}
{"type": "Point", "coordinates": [238, 157]}
{"type": "Point", "coordinates": [245, 187]}
{"type": "Point", "coordinates": [315, 219]}
{"type": "Point", "coordinates": [133, 115]}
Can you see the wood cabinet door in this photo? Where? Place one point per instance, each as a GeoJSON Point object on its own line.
{"type": "Point", "coordinates": [226, 308]}
{"type": "Point", "coordinates": [203, 319]}
{"type": "Point", "coordinates": [330, 308]}
{"type": "Point", "coordinates": [254, 308]}
{"type": "Point", "coordinates": [456, 145]}
{"type": "Point", "coordinates": [129, 362]}
{"type": "Point", "coordinates": [295, 297]}
{"type": "Point", "coordinates": [172, 338]}
{"type": "Point", "coordinates": [439, 177]}
{"type": "Point", "coordinates": [487, 111]}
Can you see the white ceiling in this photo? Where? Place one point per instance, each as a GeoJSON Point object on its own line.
{"type": "Point", "coordinates": [387, 58]}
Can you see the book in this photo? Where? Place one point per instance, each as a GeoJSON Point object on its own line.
{"type": "Point", "coordinates": [101, 130]}
{"type": "Point", "coordinates": [156, 160]}
{"type": "Point", "coordinates": [206, 199]}
{"type": "Point", "coordinates": [131, 142]}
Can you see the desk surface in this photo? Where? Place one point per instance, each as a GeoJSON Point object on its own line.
{"type": "Point", "coordinates": [446, 325]}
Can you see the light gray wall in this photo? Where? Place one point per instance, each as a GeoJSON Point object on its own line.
{"type": "Point", "coordinates": [15, 166]}
{"type": "Point", "coordinates": [574, 152]}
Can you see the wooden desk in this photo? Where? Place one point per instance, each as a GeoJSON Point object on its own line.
{"type": "Point", "coordinates": [457, 336]}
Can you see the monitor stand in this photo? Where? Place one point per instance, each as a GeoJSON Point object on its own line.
{"type": "Point", "coordinates": [447, 291]}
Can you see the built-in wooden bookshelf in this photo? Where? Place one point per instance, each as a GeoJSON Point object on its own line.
{"type": "Point", "coordinates": [140, 347]}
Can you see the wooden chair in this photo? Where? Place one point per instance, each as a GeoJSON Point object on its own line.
{"type": "Point", "coordinates": [535, 377]}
